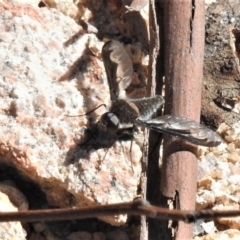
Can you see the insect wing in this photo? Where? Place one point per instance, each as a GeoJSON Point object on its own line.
{"type": "Point", "coordinates": [118, 66]}
{"type": "Point", "coordinates": [184, 128]}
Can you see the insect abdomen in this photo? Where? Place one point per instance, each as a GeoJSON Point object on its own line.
{"type": "Point", "coordinates": [148, 106]}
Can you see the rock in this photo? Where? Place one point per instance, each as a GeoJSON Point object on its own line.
{"type": "Point", "coordinates": [98, 236]}
{"type": "Point", "coordinates": [232, 234]}
{"type": "Point", "coordinates": [117, 235]}
{"type": "Point", "coordinates": [80, 236]}
{"type": "Point", "coordinates": [42, 81]}
{"type": "Point", "coordinates": [10, 230]}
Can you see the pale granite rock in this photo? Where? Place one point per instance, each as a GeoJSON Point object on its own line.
{"type": "Point", "coordinates": [41, 81]}
{"type": "Point", "coordinates": [10, 230]}
{"type": "Point", "coordinates": [232, 234]}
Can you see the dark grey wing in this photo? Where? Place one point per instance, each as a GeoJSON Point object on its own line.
{"type": "Point", "coordinates": [184, 128]}
{"type": "Point", "coordinates": [118, 66]}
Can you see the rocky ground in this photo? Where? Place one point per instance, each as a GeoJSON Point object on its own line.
{"type": "Point", "coordinates": [52, 67]}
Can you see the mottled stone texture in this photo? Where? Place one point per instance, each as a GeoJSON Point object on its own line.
{"type": "Point", "coordinates": [41, 81]}
{"type": "Point", "coordinates": [10, 230]}
{"type": "Point", "coordinates": [47, 72]}
{"type": "Point", "coordinates": [221, 87]}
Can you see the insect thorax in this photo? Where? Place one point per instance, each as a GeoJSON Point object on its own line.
{"type": "Point", "coordinates": [126, 111]}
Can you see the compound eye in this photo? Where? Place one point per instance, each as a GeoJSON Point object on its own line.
{"type": "Point", "coordinates": [109, 122]}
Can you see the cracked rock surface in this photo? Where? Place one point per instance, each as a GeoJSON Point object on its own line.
{"type": "Point", "coordinates": [41, 82]}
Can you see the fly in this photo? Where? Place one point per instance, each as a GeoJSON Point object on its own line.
{"type": "Point", "coordinates": [126, 113]}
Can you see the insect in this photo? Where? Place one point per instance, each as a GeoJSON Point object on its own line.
{"type": "Point", "coordinates": [126, 113]}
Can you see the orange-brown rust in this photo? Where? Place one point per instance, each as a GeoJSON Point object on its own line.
{"type": "Point", "coordinates": [184, 49]}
